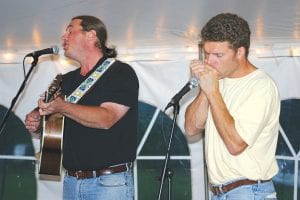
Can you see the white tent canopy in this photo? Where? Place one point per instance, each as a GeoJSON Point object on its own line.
{"type": "Point", "coordinates": [144, 24]}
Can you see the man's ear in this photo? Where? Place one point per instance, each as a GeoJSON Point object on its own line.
{"type": "Point", "coordinates": [241, 52]}
{"type": "Point", "coordinates": [91, 35]}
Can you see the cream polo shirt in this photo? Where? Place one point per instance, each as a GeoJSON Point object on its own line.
{"type": "Point", "coordinates": [254, 103]}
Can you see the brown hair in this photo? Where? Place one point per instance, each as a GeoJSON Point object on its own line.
{"type": "Point", "coordinates": [227, 27]}
{"type": "Point", "coordinates": [93, 23]}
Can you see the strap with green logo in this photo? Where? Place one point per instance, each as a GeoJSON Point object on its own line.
{"type": "Point", "coordinates": [79, 92]}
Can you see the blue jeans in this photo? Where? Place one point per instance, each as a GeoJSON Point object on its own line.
{"type": "Point", "coordinates": [118, 186]}
{"type": "Point", "coordinates": [259, 191]}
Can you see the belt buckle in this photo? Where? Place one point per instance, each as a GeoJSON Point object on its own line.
{"type": "Point", "coordinates": [217, 190]}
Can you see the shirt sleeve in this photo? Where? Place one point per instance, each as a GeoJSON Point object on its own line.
{"type": "Point", "coordinates": [257, 111]}
{"type": "Point", "coordinates": [122, 86]}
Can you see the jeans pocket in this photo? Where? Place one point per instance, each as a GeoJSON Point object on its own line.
{"type": "Point", "coordinates": [112, 180]}
{"type": "Point", "coordinates": [265, 190]}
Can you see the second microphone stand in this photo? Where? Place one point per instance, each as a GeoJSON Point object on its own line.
{"type": "Point", "coordinates": [166, 172]}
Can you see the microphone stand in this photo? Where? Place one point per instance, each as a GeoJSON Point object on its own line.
{"type": "Point", "coordinates": [13, 102]}
{"type": "Point", "coordinates": [206, 187]}
{"type": "Point", "coordinates": [166, 169]}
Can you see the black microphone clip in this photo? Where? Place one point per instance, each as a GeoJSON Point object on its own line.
{"type": "Point", "coordinates": [193, 82]}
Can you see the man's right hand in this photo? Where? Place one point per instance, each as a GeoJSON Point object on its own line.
{"type": "Point", "coordinates": [32, 121]}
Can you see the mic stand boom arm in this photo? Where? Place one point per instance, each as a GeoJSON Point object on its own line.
{"type": "Point", "coordinates": [13, 102]}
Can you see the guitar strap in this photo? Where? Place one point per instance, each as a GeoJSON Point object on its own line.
{"type": "Point", "coordinates": [87, 84]}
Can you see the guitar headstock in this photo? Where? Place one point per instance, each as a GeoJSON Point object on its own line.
{"type": "Point", "coordinates": [54, 89]}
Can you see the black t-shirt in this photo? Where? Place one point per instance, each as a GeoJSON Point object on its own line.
{"type": "Point", "coordinates": [87, 148]}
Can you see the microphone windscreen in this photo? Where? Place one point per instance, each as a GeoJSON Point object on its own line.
{"type": "Point", "coordinates": [55, 49]}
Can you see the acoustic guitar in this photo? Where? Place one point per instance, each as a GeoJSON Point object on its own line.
{"type": "Point", "coordinates": [52, 135]}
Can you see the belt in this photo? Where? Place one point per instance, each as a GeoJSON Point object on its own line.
{"type": "Point", "coordinates": [221, 189]}
{"type": "Point", "coordinates": [96, 173]}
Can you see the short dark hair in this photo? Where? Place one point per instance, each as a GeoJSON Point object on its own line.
{"type": "Point", "coordinates": [89, 23]}
{"type": "Point", "coordinates": [227, 27]}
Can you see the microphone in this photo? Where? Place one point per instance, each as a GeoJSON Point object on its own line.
{"type": "Point", "coordinates": [53, 50]}
{"type": "Point", "coordinates": [193, 82]}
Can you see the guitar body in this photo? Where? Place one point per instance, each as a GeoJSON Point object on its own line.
{"type": "Point", "coordinates": [51, 143]}
{"type": "Point", "coordinates": [52, 136]}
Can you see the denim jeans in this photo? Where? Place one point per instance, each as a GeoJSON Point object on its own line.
{"type": "Point", "coordinates": [118, 186]}
{"type": "Point", "coordinates": [259, 191]}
